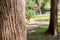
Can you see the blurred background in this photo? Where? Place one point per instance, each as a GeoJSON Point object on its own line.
{"type": "Point", "coordinates": [39, 10]}
{"type": "Point", "coordinates": [38, 14]}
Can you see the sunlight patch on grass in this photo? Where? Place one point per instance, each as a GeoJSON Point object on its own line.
{"type": "Point", "coordinates": [43, 17]}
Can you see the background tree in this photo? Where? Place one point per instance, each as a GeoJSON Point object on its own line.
{"type": "Point", "coordinates": [53, 28]}
{"type": "Point", "coordinates": [12, 20]}
{"type": "Point", "coordinates": [38, 5]}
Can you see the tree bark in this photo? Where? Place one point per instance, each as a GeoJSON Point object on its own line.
{"type": "Point", "coordinates": [12, 20]}
{"type": "Point", "coordinates": [53, 26]}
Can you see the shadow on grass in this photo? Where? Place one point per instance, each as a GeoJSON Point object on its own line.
{"type": "Point", "coordinates": [39, 34]}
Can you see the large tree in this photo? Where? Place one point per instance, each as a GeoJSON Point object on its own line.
{"type": "Point", "coordinates": [53, 26]}
{"type": "Point", "coordinates": [12, 20]}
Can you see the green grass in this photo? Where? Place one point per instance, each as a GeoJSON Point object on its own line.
{"type": "Point", "coordinates": [43, 17]}
{"type": "Point", "coordinates": [39, 34]}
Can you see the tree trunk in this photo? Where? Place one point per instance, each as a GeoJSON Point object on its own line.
{"type": "Point", "coordinates": [12, 20]}
{"type": "Point", "coordinates": [40, 4]}
{"type": "Point", "coordinates": [53, 29]}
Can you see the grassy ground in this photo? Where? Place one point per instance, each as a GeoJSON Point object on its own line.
{"type": "Point", "coordinates": [44, 17]}
{"type": "Point", "coordinates": [41, 18]}
{"type": "Point", "coordinates": [39, 34]}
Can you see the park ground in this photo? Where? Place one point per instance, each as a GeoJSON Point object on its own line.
{"type": "Point", "coordinates": [37, 32]}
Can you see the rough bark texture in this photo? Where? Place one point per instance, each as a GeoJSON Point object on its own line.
{"type": "Point", "coordinates": [53, 29]}
{"type": "Point", "coordinates": [12, 20]}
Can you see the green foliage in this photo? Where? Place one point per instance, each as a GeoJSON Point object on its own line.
{"type": "Point", "coordinates": [46, 4]}
{"type": "Point", "coordinates": [31, 4]}
{"type": "Point", "coordinates": [35, 5]}
{"type": "Point", "coordinates": [29, 14]}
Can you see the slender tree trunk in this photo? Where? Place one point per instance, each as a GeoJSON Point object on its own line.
{"type": "Point", "coordinates": [53, 29]}
{"type": "Point", "coordinates": [40, 4]}
{"type": "Point", "coordinates": [12, 20]}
